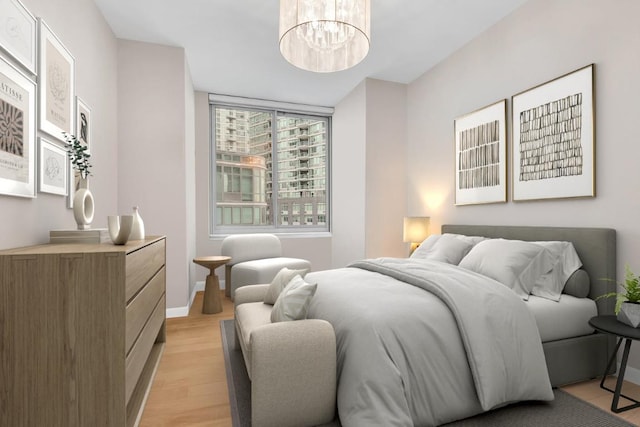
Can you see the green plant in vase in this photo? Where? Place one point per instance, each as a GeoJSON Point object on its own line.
{"type": "Point", "coordinates": [77, 153]}
{"type": "Point", "coordinates": [83, 203]}
{"type": "Point", "coordinates": [628, 300]}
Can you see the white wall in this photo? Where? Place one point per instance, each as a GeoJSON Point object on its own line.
{"type": "Point", "coordinates": [386, 171]}
{"type": "Point", "coordinates": [82, 29]}
{"type": "Point", "coordinates": [153, 173]}
{"type": "Point", "coordinates": [542, 40]}
{"type": "Point", "coordinates": [348, 178]}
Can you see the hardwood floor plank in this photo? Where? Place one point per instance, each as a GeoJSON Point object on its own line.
{"type": "Point", "coordinates": [190, 387]}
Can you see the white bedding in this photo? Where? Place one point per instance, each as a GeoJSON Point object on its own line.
{"type": "Point", "coordinates": [425, 343]}
{"type": "Point", "coordinates": [564, 319]}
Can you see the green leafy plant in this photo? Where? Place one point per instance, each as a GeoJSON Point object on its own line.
{"type": "Point", "coordinates": [631, 293]}
{"type": "Point", "coordinates": [78, 155]}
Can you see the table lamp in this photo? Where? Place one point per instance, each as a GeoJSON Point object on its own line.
{"type": "Point", "coordinates": [415, 230]}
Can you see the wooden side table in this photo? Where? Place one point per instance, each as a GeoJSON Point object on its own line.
{"type": "Point", "coordinates": [212, 303]}
{"type": "Point", "coordinates": [610, 325]}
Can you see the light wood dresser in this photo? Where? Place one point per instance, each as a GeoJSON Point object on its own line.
{"type": "Point", "coordinates": [82, 332]}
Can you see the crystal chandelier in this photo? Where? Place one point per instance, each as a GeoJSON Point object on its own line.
{"type": "Point", "coordinates": [325, 35]}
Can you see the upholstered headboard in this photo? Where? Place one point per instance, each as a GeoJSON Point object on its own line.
{"type": "Point", "coordinates": [595, 246]}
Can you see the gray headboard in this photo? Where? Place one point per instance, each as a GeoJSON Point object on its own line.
{"type": "Point", "coordinates": [595, 246]}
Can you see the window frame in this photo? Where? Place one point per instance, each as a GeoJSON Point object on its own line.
{"type": "Point", "coordinates": [274, 108]}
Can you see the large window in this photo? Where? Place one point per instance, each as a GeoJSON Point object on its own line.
{"type": "Point", "coordinates": [270, 170]}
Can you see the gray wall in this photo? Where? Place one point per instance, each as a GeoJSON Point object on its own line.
{"type": "Point", "coordinates": [540, 41]}
{"type": "Point", "coordinates": [156, 151]}
{"type": "Point", "coordinates": [82, 29]}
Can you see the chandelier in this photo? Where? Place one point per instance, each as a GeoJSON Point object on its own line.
{"type": "Point", "coordinates": [325, 35]}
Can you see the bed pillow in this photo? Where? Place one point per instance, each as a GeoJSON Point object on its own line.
{"type": "Point", "coordinates": [514, 263]}
{"type": "Point", "coordinates": [578, 284]}
{"type": "Point", "coordinates": [293, 302]}
{"type": "Point", "coordinates": [279, 282]}
{"type": "Point", "coordinates": [565, 263]}
{"type": "Point", "coordinates": [449, 248]}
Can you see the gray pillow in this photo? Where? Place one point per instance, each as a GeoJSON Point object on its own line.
{"type": "Point", "coordinates": [294, 300]}
{"type": "Point", "coordinates": [447, 248]}
{"type": "Point", "coordinates": [578, 284]}
{"type": "Point", "coordinates": [279, 282]}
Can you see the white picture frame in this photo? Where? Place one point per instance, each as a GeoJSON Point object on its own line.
{"type": "Point", "coordinates": [53, 168]}
{"type": "Point", "coordinates": [17, 142]}
{"type": "Point", "coordinates": [56, 85]}
{"type": "Point", "coordinates": [481, 155]}
{"type": "Point", "coordinates": [554, 139]}
{"type": "Point", "coordinates": [18, 31]}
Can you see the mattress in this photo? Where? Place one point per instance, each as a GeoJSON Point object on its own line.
{"type": "Point", "coordinates": [566, 318]}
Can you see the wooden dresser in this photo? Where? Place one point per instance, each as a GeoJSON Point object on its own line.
{"type": "Point", "coordinates": [82, 331]}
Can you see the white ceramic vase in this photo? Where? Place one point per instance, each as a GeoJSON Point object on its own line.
{"type": "Point", "coordinates": [137, 228]}
{"type": "Point", "coordinates": [83, 206]}
{"type": "Point", "coordinates": [119, 228]}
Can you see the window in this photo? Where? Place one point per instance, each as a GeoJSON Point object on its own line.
{"type": "Point", "coordinates": [271, 169]}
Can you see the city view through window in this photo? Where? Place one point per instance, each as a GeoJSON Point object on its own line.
{"type": "Point", "coordinates": [271, 169]}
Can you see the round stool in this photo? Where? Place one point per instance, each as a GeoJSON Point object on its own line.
{"type": "Point", "coordinates": [212, 302]}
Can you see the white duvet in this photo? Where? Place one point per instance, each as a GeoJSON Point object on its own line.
{"type": "Point", "coordinates": [424, 343]}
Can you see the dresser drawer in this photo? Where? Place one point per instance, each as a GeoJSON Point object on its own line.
{"type": "Point", "coordinates": [139, 353]}
{"type": "Point", "coordinates": [142, 264]}
{"type": "Point", "coordinates": [141, 307]}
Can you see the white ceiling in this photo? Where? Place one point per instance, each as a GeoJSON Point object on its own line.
{"type": "Point", "coordinates": [232, 45]}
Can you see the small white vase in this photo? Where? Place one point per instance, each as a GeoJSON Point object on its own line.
{"type": "Point", "coordinates": [83, 206]}
{"type": "Point", "coordinates": [119, 228]}
{"type": "Point", "coordinates": [137, 228]}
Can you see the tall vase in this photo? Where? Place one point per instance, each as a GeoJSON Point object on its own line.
{"type": "Point", "coordinates": [83, 205]}
{"type": "Point", "coordinates": [137, 228]}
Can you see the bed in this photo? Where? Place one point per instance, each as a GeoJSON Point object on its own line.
{"type": "Point", "coordinates": [467, 345]}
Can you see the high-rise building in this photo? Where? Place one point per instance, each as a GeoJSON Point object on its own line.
{"type": "Point", "coordinates": [243, 137]}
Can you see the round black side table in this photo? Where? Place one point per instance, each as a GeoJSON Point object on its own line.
{"type": "Point", "coordinates": [608, 324]}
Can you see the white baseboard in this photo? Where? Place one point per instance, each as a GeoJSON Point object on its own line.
{"type": "Point", "coordinates": [630, 374]}
{"type": "Point", "coordinates": [184, 311]}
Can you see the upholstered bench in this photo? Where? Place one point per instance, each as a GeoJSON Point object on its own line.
{"type": "Point", "coordinates": [255, 258]}
{"type": "Point", "coordinates": [291, 364]}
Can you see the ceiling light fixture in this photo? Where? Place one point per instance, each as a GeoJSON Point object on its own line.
{"type": "Point", "coordinates": [325, 35]}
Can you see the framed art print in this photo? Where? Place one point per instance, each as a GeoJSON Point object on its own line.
{"type": "Point", "coordinates": [53, 170]}
{"type": "Point", "coordinates": [553, 139]}
{"type": "Point", "coordinates": [17, 132]}
{"type": "Point", "coordinates": [83, 123]}
{"type": "Point", "coordinates": [481, 155]}
{"type": "Point", "coordinates": [56, 85]}
{"type": "Point", "coordinates": [18, 33]}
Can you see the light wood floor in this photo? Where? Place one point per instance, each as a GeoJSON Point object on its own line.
{"type": "Point", "coordinates": [190, 387]}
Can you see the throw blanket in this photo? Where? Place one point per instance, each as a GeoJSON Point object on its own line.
{"type": "Point", "coordinates": [409, 357]}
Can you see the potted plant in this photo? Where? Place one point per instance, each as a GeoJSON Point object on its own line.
{"type": "Point", "coordinates": [627, 301]}
{"type": "Point", "coordinates": [83, 204]}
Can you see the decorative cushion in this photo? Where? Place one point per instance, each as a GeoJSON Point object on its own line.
{"type": "Point", "coordinates": [447, 248]}
{"type": "Point", "coordinates": [565, 263]}
{"type": "Point", "coordinates": [282, 279]}
{"type": "Point", "coordinates": [294, 300]}
{"type": "Point", "coordinates": [514, 263]}
{"type": "Point", "coordinates": [578, 284]}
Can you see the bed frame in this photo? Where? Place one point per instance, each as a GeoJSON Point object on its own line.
{"type": "Point", "coordinates": [580, 358]}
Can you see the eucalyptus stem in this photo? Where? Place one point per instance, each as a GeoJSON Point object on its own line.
{"type": "Point", "coordinates": [77, 153]}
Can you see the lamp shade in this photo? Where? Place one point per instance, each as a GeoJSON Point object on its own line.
{"type": "Point", "coordinates": [324, 35]}
{"type": "Point", "coordinates": [416, 229]}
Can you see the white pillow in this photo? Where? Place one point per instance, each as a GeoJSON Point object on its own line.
{"type": "Point", "coordinates": [447, 248]}
{"type": "Point", "coordinates": [293, 302]}
{"type": "Point", "coordinates": [514, 263]}
{"type": "Point", "coordinates": [279, 282]}
{"type": "Point", "coordinates": [565, 263]}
